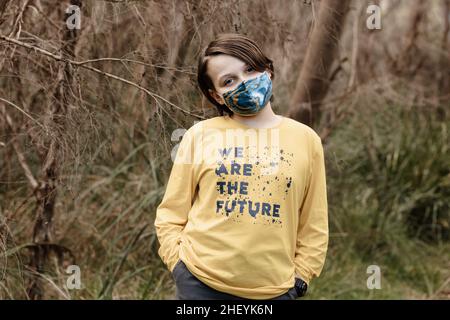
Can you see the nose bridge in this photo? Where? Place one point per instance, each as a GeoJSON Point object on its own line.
{"type": "Point", "coordinates": [242, 77]}
{"type": "Point", "coordinates": [245, 77]}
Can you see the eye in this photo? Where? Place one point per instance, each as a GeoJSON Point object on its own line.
{"type": "Point", "coordinates": [227, 82]}
{"type": "Point", "coordinates": [250, 69]}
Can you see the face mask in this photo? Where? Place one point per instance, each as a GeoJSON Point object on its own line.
{"type": "Point", "coordinates": [250, 96]}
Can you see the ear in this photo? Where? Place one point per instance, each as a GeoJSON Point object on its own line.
{"type": "Point", "coordinates": [216, 96]}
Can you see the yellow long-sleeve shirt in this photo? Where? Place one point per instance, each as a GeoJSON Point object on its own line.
{"type": "Point", "coordinates": [246, 209]}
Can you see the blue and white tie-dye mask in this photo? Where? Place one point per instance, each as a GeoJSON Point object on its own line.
{"type": "Point", "coordinates": [250, 96]}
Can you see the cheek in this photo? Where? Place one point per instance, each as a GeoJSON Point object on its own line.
{"type": "Point", "coordinates": [220, 96]}
{"type": "Point", "coordinates": [220, 92]}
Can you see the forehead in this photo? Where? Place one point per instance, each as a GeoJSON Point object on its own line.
{"type": "Point", "coordinates": [222, 64]}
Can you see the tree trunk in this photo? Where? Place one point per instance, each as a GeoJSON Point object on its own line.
{"type": "Point", "coordinates": [313, 81]}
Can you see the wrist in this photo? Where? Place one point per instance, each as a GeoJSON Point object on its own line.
{"type": "Point", "coordinates": [300, 286]}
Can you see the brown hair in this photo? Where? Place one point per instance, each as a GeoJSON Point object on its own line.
{"type": "Point", "coordinates": [235, 45]}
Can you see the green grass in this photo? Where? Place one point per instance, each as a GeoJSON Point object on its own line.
{"type": "Point", "coordinates": [388, 184]}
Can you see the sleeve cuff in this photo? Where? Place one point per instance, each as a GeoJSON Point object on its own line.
{"type": "Point", "coordinates": [303, 275]}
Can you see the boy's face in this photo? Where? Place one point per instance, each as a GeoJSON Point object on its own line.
{"type": "Point", "coordinates": [226, 73]}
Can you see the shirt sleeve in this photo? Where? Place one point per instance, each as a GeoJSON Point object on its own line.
{"type": "Point", "coordinates": [312, 232]}
{"type": "Point", "coordinates": [172, 213]}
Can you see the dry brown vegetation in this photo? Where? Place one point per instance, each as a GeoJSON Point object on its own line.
{"type": "Point", "coordinates": [86, 118]}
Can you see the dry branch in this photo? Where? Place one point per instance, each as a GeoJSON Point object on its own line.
{"type": "Point", "coordinates": [82, 64]}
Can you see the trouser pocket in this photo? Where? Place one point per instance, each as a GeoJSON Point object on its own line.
{"type": "Point", "coordinates": [176, 268]}
{"type": "Point", "coordinates": [189, 287]}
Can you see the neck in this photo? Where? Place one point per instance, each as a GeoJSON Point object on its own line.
{"type": "Point", "coordinates": [265, 116]}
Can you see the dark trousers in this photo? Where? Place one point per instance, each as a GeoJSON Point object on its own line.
{"type": "Point", "coordinates": [188, 287]}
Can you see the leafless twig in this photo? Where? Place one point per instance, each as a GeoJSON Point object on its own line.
{"type": "Point", "coordinates": [82, 64]}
